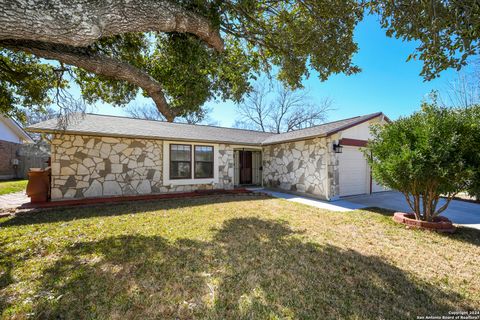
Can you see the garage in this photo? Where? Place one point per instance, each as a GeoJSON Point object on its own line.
{"type": "Point", "coordinates": [354, 175]}
{"type": "Point", "coordinates": [378, 187]}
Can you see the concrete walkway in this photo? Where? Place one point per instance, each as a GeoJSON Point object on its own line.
{"type": "Point", "coordinates": [339, 205]}
{"type": "Point", "coordinates": [460, 212]}
{"type": "Point", "coordinates": [11, 201]}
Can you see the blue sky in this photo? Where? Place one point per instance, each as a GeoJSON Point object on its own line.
{"type": "Point", "coordinates": [387, 82]}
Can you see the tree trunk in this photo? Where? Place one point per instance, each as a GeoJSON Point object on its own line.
{"type": "Point", "coordinates": [416, 203]}
{"type": "Point", "coordinates": [98, 64]}
{"type": "Point", "coordinates": [424, 206]}
{"type": "Point", "coordinates": [412, 206]}
{"type": "Point", "coordinates": [80, 23]}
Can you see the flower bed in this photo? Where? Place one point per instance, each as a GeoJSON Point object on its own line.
{"type": "Point", "coordinates": [440, 224]}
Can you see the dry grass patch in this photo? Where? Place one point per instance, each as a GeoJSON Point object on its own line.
{"type": "Point", "coordinates": [231, 257]}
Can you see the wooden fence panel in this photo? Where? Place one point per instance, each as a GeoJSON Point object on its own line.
{"type": "Point", "coordinates": [30, 161]}
{"type": "Point", "coordinates": [32, 156]}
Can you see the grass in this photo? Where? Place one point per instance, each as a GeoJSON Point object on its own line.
{"type": "Point", "coordinates": [231, 257]}
{"type": "Point", "coordinates": [12, 186]}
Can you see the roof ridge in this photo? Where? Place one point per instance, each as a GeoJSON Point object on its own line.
{"type": "Point", "coordinates": [180, 123]}
{"type": "Point", "coordinates": [367, 116]}
{"type": "Point", "coordinates": [327, 123]}
{"type": "Point", "coordinates": [239, 129]}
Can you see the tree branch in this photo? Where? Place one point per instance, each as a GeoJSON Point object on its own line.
{"type": "Point", "coordinates": [444, 207]}
{"type": "Point", "coordinates": [98, 64]}
{"type": "Point", "coordinates": [290, 110]}
{"type": "Point", "coordinates": [80, 23]}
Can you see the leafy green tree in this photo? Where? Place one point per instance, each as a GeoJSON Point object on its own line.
{"type": "Point", "coordinates": [473, 121]}
{"type": "Point", "coordinates": [427, 155]}
{"type": "Point", "coordinates": [183, 53]}
{"type": "Point", "coordinates": [25, 83]}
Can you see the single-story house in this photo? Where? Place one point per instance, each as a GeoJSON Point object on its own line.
{"type": "Point", "coordinates": [12, 136]}
{"type": "Point", "coordinates": [100, 156]}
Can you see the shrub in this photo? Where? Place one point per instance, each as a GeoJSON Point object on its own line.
{"type": "Point", "coordinates": [431, 153]}
{"type": "Point", "coordinates": [473, 118]}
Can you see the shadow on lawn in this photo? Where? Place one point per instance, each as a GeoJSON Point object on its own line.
{"type": "Point", "coordinates": [53, 215]}
{"type": "Point", "coordinates": [6, 278]}
{"type": "Point", "coordinates": [253, 268]}
{"type": "Point", "coordinates": [463, 233]}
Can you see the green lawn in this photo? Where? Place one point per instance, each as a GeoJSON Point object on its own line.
{"type": "Point", "coordinates": [231, 257]}
{"type": "Point", "coordinates": [12, 186]}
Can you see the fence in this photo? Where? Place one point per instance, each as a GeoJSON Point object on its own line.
{"type": "Point", "coordinates": [32, 156]}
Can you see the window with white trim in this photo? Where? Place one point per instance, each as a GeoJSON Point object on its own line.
{"type": "Point", "coordinates": [180, 161]}
{"type": "Point", "coordinates": [203, 162]}
{"type": "Point", "coordinates": [185, 157]}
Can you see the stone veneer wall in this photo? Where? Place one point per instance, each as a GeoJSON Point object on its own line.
{"type": "Point", "coordinates": [225, 167]}
{"type": "Point", "coordinates": [301, 166]}
{"type": "Point", "coordinates": [86, 166]}
{"type": "Point", "coordinates": [333, 169]}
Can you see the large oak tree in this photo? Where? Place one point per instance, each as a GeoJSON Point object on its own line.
{"type": "Point", "coordinates": [183, 53]}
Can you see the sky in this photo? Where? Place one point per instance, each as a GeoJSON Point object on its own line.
{"type": "Point", "coordinates": [386, 83]}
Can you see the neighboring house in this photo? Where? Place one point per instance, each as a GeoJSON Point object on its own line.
{"type": "Point", "coordinates": [99, 156]}
{"type": "Point", "coordinates": [12, 136]}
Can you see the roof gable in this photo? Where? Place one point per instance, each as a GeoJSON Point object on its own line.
{"type": "Point", "coordinates": [321, 130]}
{"type": "Point", "coordinates": [16, 129]}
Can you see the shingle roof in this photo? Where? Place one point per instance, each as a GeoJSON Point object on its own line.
{"type": "Point", "coordinates": [103, 125]}
{"type": "Point", "coordinates": [95, 124]}
{"type": "Point", "coordinates": [320, 130]}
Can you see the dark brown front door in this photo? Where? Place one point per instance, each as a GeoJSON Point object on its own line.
{"type": "Point", "coordinates": [245, 167]}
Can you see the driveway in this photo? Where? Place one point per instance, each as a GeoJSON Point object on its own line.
{"type": "Point", "coordinates": [460, 212]}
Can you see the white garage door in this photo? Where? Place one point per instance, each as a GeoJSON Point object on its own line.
{"type": "Point", "coordinates": [354, 176]}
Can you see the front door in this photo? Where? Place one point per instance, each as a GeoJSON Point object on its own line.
{"type": "Point", "coordinates": [245, 167]}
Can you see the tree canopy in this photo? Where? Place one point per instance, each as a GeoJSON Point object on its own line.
{"type": "Point", "coordinates": [183, 53]}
